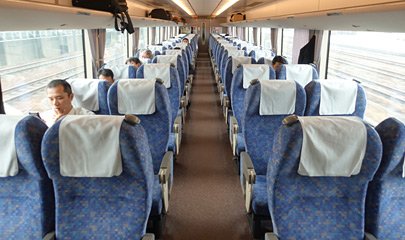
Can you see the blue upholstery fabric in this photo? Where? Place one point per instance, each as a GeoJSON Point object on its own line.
{"type": "Point", "coordinates": [27, 200]}
{"type": "Point", "coordinates": [238, 93]}
{"type": "Point", "coordinates": [103, 87]}
{"type": "Point", "coordinates": [306, 208]}
{"type": "Point", "coordinates": [240, 143]}
{"type": "Point", "coordinates": [282, 74]}
{"type": "Point", "coordinates": [157, 125]}
{"type": "Point", "coordinates": [260, 130]}
{"type": "Point", "coordinates": [385, 204]}
{"type": "Point", "coordinates": [103, 208]}
{"type": "Point", "coordinates": [313, 91]}
{"type": "Point", "coordinates": [157, 203]}
{"type": "Point", "coordinates": [173, 91]}
{"type": "Point", "coordinates": [131, 71]}
{"type": "Point", "coordinates": [260, 205]}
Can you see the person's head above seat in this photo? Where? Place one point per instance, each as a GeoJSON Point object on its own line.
{"type": "Point", "coordinates": [277, 62]}
{"type": "Point", "coordinates": [185, 40]}
{"type": "Point", "coordinates": [147, 54]}
{"type": "Point", "coordinates": [106, 74]}
{"type": "Point", "coordinates": [60, 95]}
{"type": "Point", "coordinates": [134, 61]}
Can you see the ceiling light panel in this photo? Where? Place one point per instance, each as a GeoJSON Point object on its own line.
{"type": "Point", "coordinates": [225, 4]}
{"type": "Point", "coordinates": [183, 4]}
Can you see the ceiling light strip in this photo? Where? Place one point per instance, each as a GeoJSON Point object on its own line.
{"type": "Point", "coordinates": [222, 7]}
{"type": "Point", "coordinates": [184, 6]}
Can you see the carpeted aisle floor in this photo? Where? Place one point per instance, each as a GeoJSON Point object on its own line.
{"type": "Point", "coordinates": [207, 201]}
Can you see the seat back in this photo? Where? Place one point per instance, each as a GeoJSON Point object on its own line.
{"type": "Point", "coordinates": [238, 91]}
{"type": "Point", "coordinates": [303, 80]}
{"type": "Point", "coordinates": [260, 130]}
{"type": "Point", "coordinates": [386, 193]}
{"type": "Point", "coordinates": [229, 53]}
{"type": "Point", "coordinates": [179, 64]}
{"type": "Point", "coordinates": [315, 94]}
{"type": "Point", "coordinates": [90, 94]}
{"type": "Point", "coordinates": [230, 68]}
{"type": "Point", "coordinates": [122, 71]}
{"type": "Point", "coordinates": [259, 53]}
{"type": "Point", "coordinates": [102, 207]}
{"type": "Point", "coordinates": [174, 89]}
{"type": "Point", "coordinates": [26, 199]}
{"type": "Point", "coordinates": [325, 207]}
{"type": "Point", "coordinates": [156, 125]}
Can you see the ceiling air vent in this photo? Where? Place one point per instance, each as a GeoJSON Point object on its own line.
{"type": "Point", "coordinates": [334, 14]}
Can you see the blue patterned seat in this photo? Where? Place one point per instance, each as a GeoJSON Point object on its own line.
{"type": "Point", "coordinates": [385, 217]}
{"type": "Point", "coordinates": [27, 208]}
{"type": "Point", "coordinates": [324, 207]}
{"type": "Point", "coordinates": [313, 90]}
{"type": "Point", "coordinates": [103, 207]}
{"type": "Point", "coordinates": [259, 132]}
{"type": "Point", "coordinates": [180, 69]}
{"type": "Point", "coordinates": [174, 96]}
{"type": "Point", "coordinates": [157, 127]}
{"type": "Point", "coordinates": [237, 96]}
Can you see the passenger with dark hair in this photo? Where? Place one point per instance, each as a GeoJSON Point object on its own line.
{"type": "Point", "coordinates": [277, 62]}
{"type": "Point", "coordinates": [106, 74]}
{"type": "Point", "coordinates": [60, 95]}
{"type": "Point", "coordinates": [134, 61]}
{"type": "Point", "coordinates": [185, 40]}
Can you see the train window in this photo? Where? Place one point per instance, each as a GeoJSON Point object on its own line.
{"type": "Point", "coordinates": [266, 38]}
{"type": "Point", "coordinates": [377, 60]}
{"type": "Point", "coordinates": [143, 37]}
{"type": "Point", "coordinates": [30, 59]}
{"type": "Point", "coordinates": [250, 35]}
{"type": "Point", "coordinates": [115, 47]}
{"type": "Point", "coordinates": [288, 38]}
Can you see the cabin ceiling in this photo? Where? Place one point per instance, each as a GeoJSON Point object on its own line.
{"type": "Point", "coordinates": [204, 8]}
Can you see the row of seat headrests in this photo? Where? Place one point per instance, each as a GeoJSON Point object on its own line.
{"type": "Point", "coordinates": [332, 146]}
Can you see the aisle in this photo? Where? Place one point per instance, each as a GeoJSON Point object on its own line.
{"type": "Point", "coordinates": [207, 201]}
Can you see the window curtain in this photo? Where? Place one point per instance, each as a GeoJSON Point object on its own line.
{"type": "Point", "coordinates": [135, 41]}
{"type": "Point", "coordinates": [318, 43]}
{"type": "Point", "coordinates": [1, 100]}
{"type": "Point", "coordinates": [301, 38]}
{"type": "Point", "coordinates": [255, 39]}
{"type": "Point", "coordinates": [274, 37]}
{"type": "Point", "coordinates": [97, 39]}
{"type": "Point", "coordinates": [152, 35]}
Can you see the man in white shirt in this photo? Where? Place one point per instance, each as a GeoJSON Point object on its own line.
{"type": "Point", "coordinates": [60, 96]}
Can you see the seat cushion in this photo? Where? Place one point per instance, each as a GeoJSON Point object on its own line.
{"type": "Point", "coordinates": [172, 143]}
{"type": "Point", "coordinates": [157, 204]}
{"type": "Point", "coordinates": [259, 197]}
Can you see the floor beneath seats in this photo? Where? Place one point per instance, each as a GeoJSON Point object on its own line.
{"type": "Point", "coordinates": [207, 201]}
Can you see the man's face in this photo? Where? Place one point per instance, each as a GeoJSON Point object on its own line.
{"type": "Point", "coordinates": [277, 66]}
{"type": "Point", "coordinates": [137, 65]}
{"type": "Point", "coordinates": [106, 78]}
{"type": "Point", "coordinates": [185, 41]}
{"type": "Point", "coordinates": [60, 100]}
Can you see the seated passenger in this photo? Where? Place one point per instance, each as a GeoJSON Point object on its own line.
{"type": "Point", "coordinates": [60, 95]}
{"type": "Point", "coordinates": [107, 75]}
{"type": "Point", "coordinates": [146, 56]}
{"type": "Point", "coordinates": [134, 61]}
{"type": "Point", "coordinates": [185, 40]}
{"type": "Point", "coordinates": [277, 62]}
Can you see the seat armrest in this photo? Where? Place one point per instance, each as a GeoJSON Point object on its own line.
{"type": "Point", "coordinates": [177, 129]}
{"type": "Point", "coordinates": [165, 178]}
{"type": "Point", "coordinates": [233, 133]}
{"type": "Point", "coordinates": [369, 236]}
{"type": "Point", "coordinates": [248, 179]}
{"type": "Point", "coordinates": [270, 236]}
{"type": "Point", "coordinates": [148, 236]}
{"type": "Point", "coordinates": [225, 108]}
{"type": "Point", "coordinates": [49, 236]}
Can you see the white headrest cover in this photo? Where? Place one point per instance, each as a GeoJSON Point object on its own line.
{"type": "Point", "coordinates": [337, 97]}
{"type": "Point", "coordinates": [254, 71]}
{"type": "Point", "coordinates": [158, 70]}
{"type": "Point", "coordinates": [173, 52]}
{"type": "Point", "coordinates": [120, 71]}
{"type": "Point", "coordinates": [277, 97]}
{"type": "Point", "coordinates": [172, 59]}
{"type": "Point", "coordinates": [8, 154]}
{"type": "Point", "coordinates": [85, 93]}
{"type": "Point", "coordinates": [155, 48]}
{"type": "Point", "coordinates": [263, 53]}
{"type": "Point", "coordinates": [89, 146]}
{"type": "Point", "coordinates": [332, 146]}
{"type": "Point", "coordinates": [301, 73]}
{"type": "Point", "coordinates": [236, 53]}
{"type": "Point", "coordinates": [236, 61]}
{"type": "Point", "coordinates": [136, 96]}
